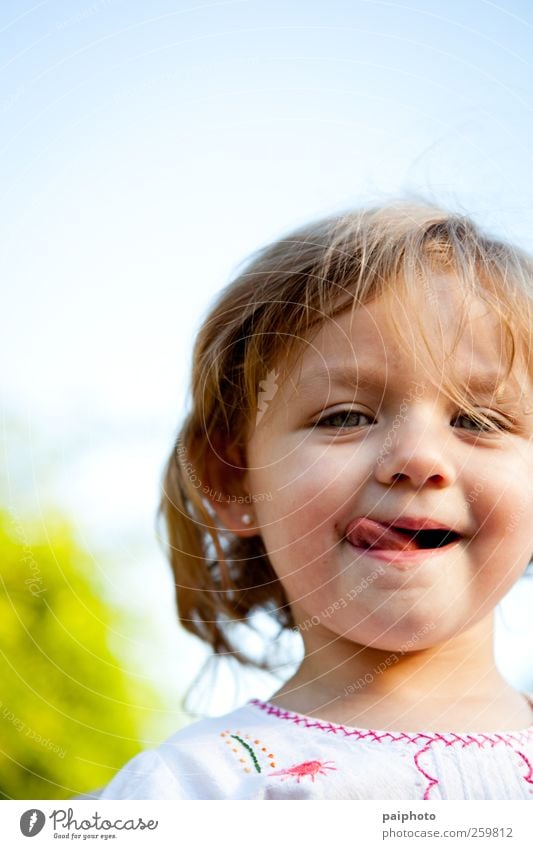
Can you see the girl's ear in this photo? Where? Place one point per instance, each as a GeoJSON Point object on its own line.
{"type": "Point", "coordinates": [226, 489]}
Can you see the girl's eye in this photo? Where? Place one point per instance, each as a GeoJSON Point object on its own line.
{"type": "Point", "coordinates": [492, 426]}
{"type": "Point", "coordinates": [342, 419]}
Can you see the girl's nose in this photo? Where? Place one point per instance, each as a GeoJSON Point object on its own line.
{"type": "Point", "coordinates": [417, 453]}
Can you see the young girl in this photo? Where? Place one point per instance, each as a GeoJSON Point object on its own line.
{"type": "Point", "coordinates": [357, 463]}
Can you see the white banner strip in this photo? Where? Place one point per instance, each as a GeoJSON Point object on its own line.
{"type": "Point", "coordinates": [250, 825]}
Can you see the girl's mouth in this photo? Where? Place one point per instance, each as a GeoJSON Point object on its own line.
{"type": "Point", "coordinates": [397, 543]}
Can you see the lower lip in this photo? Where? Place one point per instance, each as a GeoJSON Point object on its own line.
{"type": "Point", "coordinates": [405, 559]}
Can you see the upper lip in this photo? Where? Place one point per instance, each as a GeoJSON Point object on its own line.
{"type": "Point", "coordinates": [424, 524]}
{"type": "Point", "coordinates": [413, 523]}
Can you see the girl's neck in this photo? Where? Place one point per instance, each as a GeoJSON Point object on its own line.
{"type": "Point", "coordinates": [454, 686]}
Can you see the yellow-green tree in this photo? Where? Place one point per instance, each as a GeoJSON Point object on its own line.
{"type": "Point", "coordinates": [70, 716]}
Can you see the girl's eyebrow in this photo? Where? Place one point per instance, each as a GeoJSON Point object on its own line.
{"type": "Point", "coordinates": [370, 377]}
{"type": "Point", "coordinates": [367, 377]}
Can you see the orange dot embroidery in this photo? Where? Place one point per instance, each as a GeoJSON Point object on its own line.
{"type": "Point", "coordinates": [230, 737]}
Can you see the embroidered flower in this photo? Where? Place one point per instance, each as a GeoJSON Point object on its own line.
{"type": "Point", "coordinates": [311, 768]}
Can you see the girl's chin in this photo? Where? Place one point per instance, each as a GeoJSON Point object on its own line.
{"type": "Point", "coordinates": [416, 635]}
{"type": "Point", "coordinates": [397, 627]}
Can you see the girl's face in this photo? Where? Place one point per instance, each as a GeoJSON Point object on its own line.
{"type": "Point", "coordinates": [359, 429]}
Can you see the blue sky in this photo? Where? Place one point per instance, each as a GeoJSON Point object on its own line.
{"type": "Point", "coordinates": [147, 148]}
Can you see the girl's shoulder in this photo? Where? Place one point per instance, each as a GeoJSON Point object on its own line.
{"type": "Point", "coordinates": [207, 759]}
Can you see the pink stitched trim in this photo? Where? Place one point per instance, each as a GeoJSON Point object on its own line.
{"type": "Point", "coordinates": [448, 738]}
{"type": "Point", "coordinates": [432, 780]}
{"type": "Point", "coordinates": [529, 776]}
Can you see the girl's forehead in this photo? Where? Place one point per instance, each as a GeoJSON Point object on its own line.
{"type": "Point", "coordinates": [470, 349]}
{"type": "Point", "coordinates": [374, 328]}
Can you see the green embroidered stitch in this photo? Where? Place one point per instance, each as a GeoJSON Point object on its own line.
{"type": "Point", "coordinates": [250, 751]}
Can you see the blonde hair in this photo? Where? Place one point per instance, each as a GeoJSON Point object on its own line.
{"type": "Point", "coordinates": [261, 317]}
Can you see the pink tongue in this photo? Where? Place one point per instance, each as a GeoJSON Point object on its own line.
{"type": "Point", "coordinates": [366, 533]}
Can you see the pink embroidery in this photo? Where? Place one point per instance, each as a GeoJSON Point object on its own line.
{"type": "Point", "coordinates": [529, 776]}
{"type": "Point", "coordinates": [432, 780]}
{"type": "Point", "coordinates": [419, 739]}
{"type": "Point", "coordinates": [448, 738]}
{"type": "Point", "coordinates": [311, 768]}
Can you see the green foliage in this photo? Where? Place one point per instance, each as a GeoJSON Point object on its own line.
{"type": "Point", "coordinates": [69, 714]}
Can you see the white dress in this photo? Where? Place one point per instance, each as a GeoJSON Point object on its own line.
{"type": "Point", "coordinates": [261, 751]}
